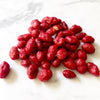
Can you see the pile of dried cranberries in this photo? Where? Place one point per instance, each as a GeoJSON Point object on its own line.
{"type": "Point", "coordinates": [50, 43]}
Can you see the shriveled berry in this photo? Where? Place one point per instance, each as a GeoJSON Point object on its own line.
{"type": "Point", "coordinates": [81, 54]}
{"type": "Point", "coordinates": [4, 69]}
{"type": "Point", "coordinates": [35, 33]}
{"type": "Point", "coordinates": [61, 54]}
{"type": "Point", "coordinates": [60, 34]}
{"type": "Point", "coordinates": [53, 49]}
{"type": "Point", "coordinates": [44, 25]}
{"type": "Point", "coordinates": [46, 44]}
{"type": "Point", "coordinates": [68, 33]}
{"type": "Point", "coordinates": [24, 37]}
{"type": "Point", "coordinates": [82, 69]}
{"type": "Point", "coordinates": [45, 64]}
{"type": "Point", "coordinates": [39, 44]}
{"type": "Point", "coordinates": [14, 53]}
{"type": "Point", "coordinates": [81, 35]}
{"type": "Point", "coordinates": [34, 60]}
{"type": "Point", "coordinates": [50, 56]}
{"type": "Point", "coordinates": [40, 55]}
{"type": "Point", "coordinates": [30, 29]}
{"type": "Point", "coordinates": [80, 62]}
{"type": "Point", "coordinates": [45, 37]}
{"type": "Point", "coordinates": [69, 74]}
{"type": "Point", "coordinates": [64, 25]}
{"type": "Point", "coordinates": [23, 54]}
{"type": "Point", "coordinates": [32, 71]}
{"type": "Point", "coordinates": [45, 75]}
{"type": "Point", "coordinates": [47, 19]}
{"type": "Point", "coordinates": [54, 21]}
{"type": "Point", "coordinates": [56, 63]}
{"type": "Point", "coordinates": [72, 55]}
{"type": "Point", "coordinates": [45, 51]}
{"type": "Point", "coordinates": [35, 24]}
{"type": "Point", "coordinates": [88, 39]}
{"type": "Point", "coordinates": [59, 41]}
{"type": "Point", "coordinates": [26, 62]}
{"type": "Point", "coordinates": [71, 47]}
{"type": "Point", "coordinates": [30, 46]}
{"type": "Point", "coordinates": [88, 48]}
{"type": "Point", "coordinates": [93, 69]}
{"type": "Point", "coordinates": [21, 44]}
{"type": "Point", "coordinates": [76, 28]}
{"type": "Point", "coordinates": [69, 63]}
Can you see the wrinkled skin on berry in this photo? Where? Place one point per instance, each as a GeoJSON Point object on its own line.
{"type": "Point", "coordinates": [35, 24]}
{"type": "Point", "coordinates": [81, 35]}
{"type": "Point", "coordinates": [35, 33]}
{"type": "Point", "coordinates": [26, 62]}
{"type": "Point", "coordinates": [45, 64]}
{"type": "Point", "coordinates": [80, 62]}
{"type": "Point", "coordinates": [82, 69]}
{"type": "Point", "coordinates": [40, 55]}
{"type": "Point", "coordinates": [4, 69]}
{"type": "Point", "coordinates": [21, 44]}
{"type": "Point", "coordinates": [56, 63]}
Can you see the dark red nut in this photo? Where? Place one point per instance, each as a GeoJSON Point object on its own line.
{"type": "Point", "coordinates": [80, 62]}
{"type": "Point", "coordinates": [68, 33]}
{"type": "Point", "coordinates": [40, 55]}
{"type": "Point", "coordinates": [30, 29]}
{"type": "Point", "coordinates": [50, 56]}
{"type": "Point", "coordinates": [32, 71]}
{"type": "Point", "coordinates": [44, 25]}
{"type": "Point", "coordinates": [24, 37]}
{"type": "Point", "coordinates": [61, 54]}
{"type": "Point", "coordinates": [21, 44]}
{"type": "Point", "coordinates": [81, 35]}
{"type": "Point", "coordinates": [34, 60]}
{"type": "Point", "coordinates": [30, 46]}
{"type": "Point", "coordinates": [39, 44]}
{"type": "Point", "coordinates": [59, 41]}
{"type": "Point", "coordinates": [88, 48]}
{"type": "Point", "coordinates": [69, 63]}
{"type": "Point", "coordinates": [23, 54]}
{"type": "Point", "coordinates": [56, 63]}
{"type": "Point", "coordinates": [54, 21]}
{"type": "Point", "coordinates": [35, 33]}
{"type": "Point", "coordinates": [14, 53]}
{"type": "Point", "coordinates": [45, 75]}
{"type": "Point", "coordinates": [4, 69]}
{"type": "Point", "coordinates": [45, 37]}
{"type": "Point", "coordinates": [82, 69]}
{"type": "Point", "coordinates": [47, 19]}
{"type": "Point", "coordinates": [71, 47]}
{"type": "Point", "coordinates": [88, 39]}
{"type": "Point", "coordinates": [81, 54]}
{"type": "Point", "coordinates": [69, 74]}
{"type": "Point", "coordinates": [26, 63]}
{"type": "Point", "coordinates": [60, 34]}
{"type": "Point", "coordinates": [35, 24]}
{"type": "Point", "coordinates": [64, 25]}
{"type": "Point", "coordinates": [72, 55]}
{"type": "Point", "coordinates": [93, 69]}
{"type": "Point", "coordinates": [45, 64]}
{"type": "Point", "coordinates": [76, 28]}
{"type": "Point", "coordinates": [53, 49]}
{"type": "Point", "coordinates": [71, 39]}
{"type": "Point", "coordinates": [46, 44]}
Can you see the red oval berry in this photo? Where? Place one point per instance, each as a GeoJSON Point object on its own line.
{"type": "Point", "coordinates": [64, 25]}
{"type": "Point", "coordinates": [80, 62]}
{"type": "Point", "coordinates": [45, 64]}
{"type": "Point", "coordinates": [71, 47]}
{"type": "Point", "coordinates": [25, 62]}
{"type": "Point", "coordinates": [21, 44]}
{"type": "Point", "coordinates": [81, 35]}
{"type": "Point", "coordinates": [44, 25]}
{"type": "Point", "coordinates": [40, 55]}
{"type": "Point", "coordinates": [72, 55]}
{"type": "Point", "coordinates": [56, 63]}
{"type": "Point", "coordinates": [68, 33]}
{"type": "Point", "coordinates": [30, 29]}
{"type": "Point", "coordinates": [82, 69]}
{"type": "Point", "coordinates": [35, 24]}
{"type": "Point", "coordinates": [35, 33]}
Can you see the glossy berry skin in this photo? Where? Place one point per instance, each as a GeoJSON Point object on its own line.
{"type": "Point", "coordinates": [69, 74]}
{"type": "Point", "coordinates": [40, 55]}
{"type": "Point", "coordinates": [46, 44]}
{"type": "Point", "coordinates": [80, 62]}
{"type": "Point", "coordinates": [93, 69]}
{"type": "Point", "coordinates": [53, 49]}
{"type": "Point", "coordinates": [88, 48]}
{"type": "Point", "coordinates": [56, 63]}
{"type": "Point", "coordinates": [45, 64]}
{"type": "Point", "coordinates": [24, 37]}
{"type": "Point", "coordinates": [26, 63]}
{"type": "Point", "coordinates": [82, 69]}
{"type": "Point", "coordinates": [72, 55]}
{"type": "Point", "coordinates": [47, 19]}
{"type": "Point", "coordinates": [71, 47]}
{"type": "Point", "coordinates": [71, 39]}
{"type": "Point", "coordinates": [4, 69]}
{"type": "Point", "coordinates": [30, 46]}
{"type": "Point", "coordinates": [45, 75]}
{"type": "Point", "coordinates": [30, 29]}
{"type": "Point", "coordinates": [54, 21]}
{"type": "Point", "coordinates": [59, 41]}
{"type": "Point", "coordinates": [45, 37]}
{"type": "Point", "coordinates": [81, 54]}
{"type": "Point", "coordinates": [61, 54]}
{"type": "Point", "coordinates": [68, 33]}
{"type": "Point", "coordinates": [60, 34]}
{"type": "Point", "coordinates": [34, 59]}
{"type": "Point", "coordinates": [50, 56]}
{"type": "Point", "coordinates": [35, 33]}
{"type": "Point", "coordinates": [81, 35]}
{"type": "Point", "coordinates": [21, 44]}
{"type": "Point", "coordinates": [35, 24]}
{"type": "Point", "coordinates": [44, 25]}
{"type": "Point", "coordinates": [88, 39]}
{"type": "Point", "coordinates": [76, 28]}
{"type": "Point", "coordinates": [69, 63]}
{"type": "Point", "coordinates": [32, 71]}
{"type": "Point", "coordinates": [64, 25]}
{"type": "Point", "coordinates": [39, 44]}
{"type": "Point", "coordinates": [14, 53]}
{"type": "Point", "coordinates": [23, 54]}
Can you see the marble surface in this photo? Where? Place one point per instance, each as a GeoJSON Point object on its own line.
{"type": "Point", "coordinates": [15, 17]}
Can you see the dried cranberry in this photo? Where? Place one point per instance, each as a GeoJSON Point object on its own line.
{"type": "Point", "coordinates": [82, 69]}
{"type": "Point", "coordinates": [40, 55]}
{"type": "Point", "coordinates": [45, 64]}
{"type": "Point", "coordinates": [35, 24]}
{"type": "Point", "coordinates": [64, 25]}
{"type": "Point", "coordinates": [35, 33]}
{"type": "Point", "coordinates": [25, 62]}
{"type": "Point", "coordinates": [21, 44]}
{"type": "Point", "coordinates": [56, 63]}
{"type": "Point", "coordinates": [80, 62]}
{"type": "Point", "coordinates": [81, 35]}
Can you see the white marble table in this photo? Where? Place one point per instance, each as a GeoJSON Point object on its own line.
{"type": "Point", "coordinates": [15, 17]}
